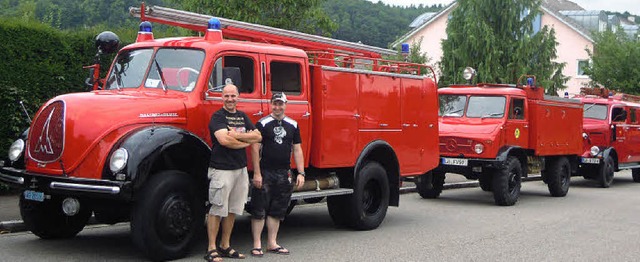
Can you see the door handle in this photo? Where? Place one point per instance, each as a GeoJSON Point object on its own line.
{"type": "Point", "coordinates": [406, 125]}
{"type": "Point", "coordinates": [258, 114]}
{"type": "Point", "coordinates": [384, 125]}
{"type": "Point", "coordinates": [306, 114]}
{"type": "Point", "coordinates": [356, 115]}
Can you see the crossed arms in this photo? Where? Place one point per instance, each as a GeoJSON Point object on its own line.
{"type": "Point", "coordinates": [234, 140]}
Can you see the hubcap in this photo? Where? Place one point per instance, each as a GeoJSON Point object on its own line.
{"type": "Point", "coordinates": [175, 219]}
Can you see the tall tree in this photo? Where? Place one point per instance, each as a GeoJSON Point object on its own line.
{"type": "Point", "coordinates": [299, 15]}
{"type": "Point", "coordinates": [615, 62]}
{"type": "Point", "coordinates": [496, 37]}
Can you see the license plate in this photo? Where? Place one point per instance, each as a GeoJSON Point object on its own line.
{"type": "Point", "coordinates": [33, 195]}
{"type": "Point", "coordinates": [590, 160]}
{"type": "Point", "coordinates": [455, 161]}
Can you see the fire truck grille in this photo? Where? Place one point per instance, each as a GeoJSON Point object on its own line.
{"type": "Point", "coordinates": [455, 145]}
{"type": "Point", "coordinates": [46, 138]}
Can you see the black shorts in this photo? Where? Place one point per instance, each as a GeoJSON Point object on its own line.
{"type": "Point", "coordinates": [274, 196]}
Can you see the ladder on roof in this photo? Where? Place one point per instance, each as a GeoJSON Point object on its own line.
{"type": "Point", "coordinates": [256, 33]}
{"type": "Point", "coordinates": [607, 93]}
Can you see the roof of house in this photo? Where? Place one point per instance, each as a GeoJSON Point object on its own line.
{"type": "Point", "coordinates": [551, 7]}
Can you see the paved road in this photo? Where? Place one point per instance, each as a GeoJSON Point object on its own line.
{"type": "Point", "coordinates": [590, 224]}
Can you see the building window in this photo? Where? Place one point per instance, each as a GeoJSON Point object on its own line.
{"type": "Point", "coordinates": [582, 65]}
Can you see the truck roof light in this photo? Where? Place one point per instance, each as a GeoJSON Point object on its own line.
{"type": "Point", "coordinates": [468, 73]}
{"type": "Point", "coordinates": [530, 81]}
{"type": "Point", "coordinates": [146, 27]}
{"type": "Point", "coordinates": [214, 24]}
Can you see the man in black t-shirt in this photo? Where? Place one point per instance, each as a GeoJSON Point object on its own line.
{"type": "Point", "coordinates": [231, 132]}
{"type": "Point", "coordinates": [272, 189]}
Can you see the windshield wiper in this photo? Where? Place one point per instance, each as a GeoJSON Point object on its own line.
{"type": "Point", "coordinates": [453, 113]}
{"type": "Point", "coordinates": [164, 84]}
{"type": "Point", "coordinates": [589, 107]}
{"type": "Point", "coordinates": [492, 114]}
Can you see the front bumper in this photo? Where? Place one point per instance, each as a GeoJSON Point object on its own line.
{"type": "Point", "coordinates": [71, 186]}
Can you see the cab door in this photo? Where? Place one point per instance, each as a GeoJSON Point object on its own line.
{"type": "Point", "coordinates": [622, 131]}
{"type": "Point", "coordinates": [517, 125]}
{"type": "Point", "coordinates": [289, 75]}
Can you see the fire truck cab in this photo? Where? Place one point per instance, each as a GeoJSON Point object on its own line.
{"type": "Point", "coordinates": [499, 133]}
{"type": "Point", "coordinates": [611, 134]}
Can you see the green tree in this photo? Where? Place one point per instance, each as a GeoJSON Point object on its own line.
{"type": "Point", "coordinates": [299, 15]}
{"type": "Point", "coordinates": [496, 37]}
{"type": "Point", "coordinates": [615, 62]}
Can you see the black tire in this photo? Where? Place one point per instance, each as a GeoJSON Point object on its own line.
{"type": "Point", "coordinates": [167, 215]}
{"type": "Point", "coordinates": [47, 220]}
{"type": "Point", "coordinates": [486, 180]}
{"type": "Point", "coordinates": [430, 184]}
{"type": "Point", "coordinates": [559, 177]}
{"type": "Point", "coordinates": [605, 172]}
{"type": "Point", "coordinates": [507, 182]}
{"type": "Point", "coordinates": [635, 173]}
{"type": "Point", "coordinates": [339, 209]}
{"type": "Point", "coordinates": [370, 198]}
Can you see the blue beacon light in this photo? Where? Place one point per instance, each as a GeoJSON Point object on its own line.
{"type": "Point", "coordinates": [405, 48]}
{"type": "Point", "coordinates": [530, 81]}
{"type": "Point", "coordinates": [146, 27]}
{"type": "Point", "coordinates": [214, 24]}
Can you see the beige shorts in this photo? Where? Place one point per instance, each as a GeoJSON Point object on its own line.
{"type": "Point", "coordinates": [228, 191]}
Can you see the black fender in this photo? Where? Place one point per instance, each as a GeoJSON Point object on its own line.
{"type": "Point", "coordinates": [381, 152]}
{"type": "Point", "coordinates": [506, 151]}
{"type": "Point", "coordinates": [156, 148]}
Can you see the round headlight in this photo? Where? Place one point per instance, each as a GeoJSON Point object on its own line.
{"type": "Point", "coordinates": [595, 150]}
{"type": "Point", "coordinates": [478, 148]}
{"type": "Point", "coordinates": [118, 160]}
{"type": "Point", "coordinates": [468, 73]}
{"type": "Point", "coordinates": [16, 150]}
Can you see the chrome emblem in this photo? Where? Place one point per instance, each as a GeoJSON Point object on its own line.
{"type": "Point", "coordinates": [45, 146]}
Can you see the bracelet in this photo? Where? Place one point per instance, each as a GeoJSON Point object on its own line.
{"type": "Point", "coordinates": [301, 174]}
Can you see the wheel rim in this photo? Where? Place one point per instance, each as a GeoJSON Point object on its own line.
{"type": "Point", "coordinates": [565, 176]}
{"type": "Point", "coordinates": [174, 219]}
{"type": "Point", "coordinates": [371, 197]}
{"type": "Point", "coordinates": [513, 181]}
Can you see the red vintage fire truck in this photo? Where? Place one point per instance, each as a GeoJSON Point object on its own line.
{"type": "Point", "coordinates": [138, 149]}
{"type": "Point", "coordinates": [499, 133]}
{"type": "Point", "coordinates": [611, 134]}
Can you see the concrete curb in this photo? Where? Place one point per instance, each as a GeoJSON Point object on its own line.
{"type": "Point", "coordinates": [15, 226]}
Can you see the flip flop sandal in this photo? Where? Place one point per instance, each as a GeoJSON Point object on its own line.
{"type": "Point", "coordinates": [212, 255]}
{"type": "Point", "coordinates": [257, 252]}
{"type": "Point", "coordinates": [279, 251]}
{"type": "Point", "coordinates": [230, 253]}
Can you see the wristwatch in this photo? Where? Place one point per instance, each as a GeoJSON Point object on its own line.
{"type": "Point", "coordinates": [301, 174]}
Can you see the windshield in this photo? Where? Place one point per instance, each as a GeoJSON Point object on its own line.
{"type": "Point", "coordinates": [486, 106]}
{"type": "Point", "coordinates": [595, 111]}
{"type": "Point", "coordinates": [452, 105]}
{"type": "Point", "coordinates": [175, 69]}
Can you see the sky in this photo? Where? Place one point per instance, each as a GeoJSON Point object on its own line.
{"type": "Point", "coordinates": [632, 6]}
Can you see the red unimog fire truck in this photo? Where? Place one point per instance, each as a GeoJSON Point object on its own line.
{"type": "Point", "coordinates": [611, 135]}
{"type": "Point", "coordinates": [138, 149]}
{"type": "Point", "coordinates": [499, 133]}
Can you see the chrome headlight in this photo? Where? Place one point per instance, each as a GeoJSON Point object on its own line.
{"type": "Point", "coordinates": [118, 160]}
{"type": "Point", "coordinates": [478, 148]}
{"type": "Point", "coordinates": [16, 150]}
{"type": "Point", "coordinates": [595, 150]}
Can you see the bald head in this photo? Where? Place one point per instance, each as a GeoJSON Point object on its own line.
{"type": "Point", "coordinates": [230, 97]}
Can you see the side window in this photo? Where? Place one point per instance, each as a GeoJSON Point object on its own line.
{"type": "Point", "coordinates": [233, 69]}
{"type": "Point", "coordinates": [582, 64]}
{"type": "Point", "coordinates": [516, 110]}
{"type": "Point", "coordinates": [285, 77]}
{"type": "Point", "coordinates": [632, 115]}
{"type": "Point", "coordinates": [618, 114]}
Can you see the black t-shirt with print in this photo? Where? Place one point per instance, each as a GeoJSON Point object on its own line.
{"type": "Point", "coordinates": [223, 157]}
{"type": "Point", "coordinates": [278, 138]}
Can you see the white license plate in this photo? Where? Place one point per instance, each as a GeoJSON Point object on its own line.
{"type": "Point", "coordinates": [455, 161]}
{"type": "Point", "coordinates": [590, 160]}
{"type": "Point", "coordinates": [33, 195]}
